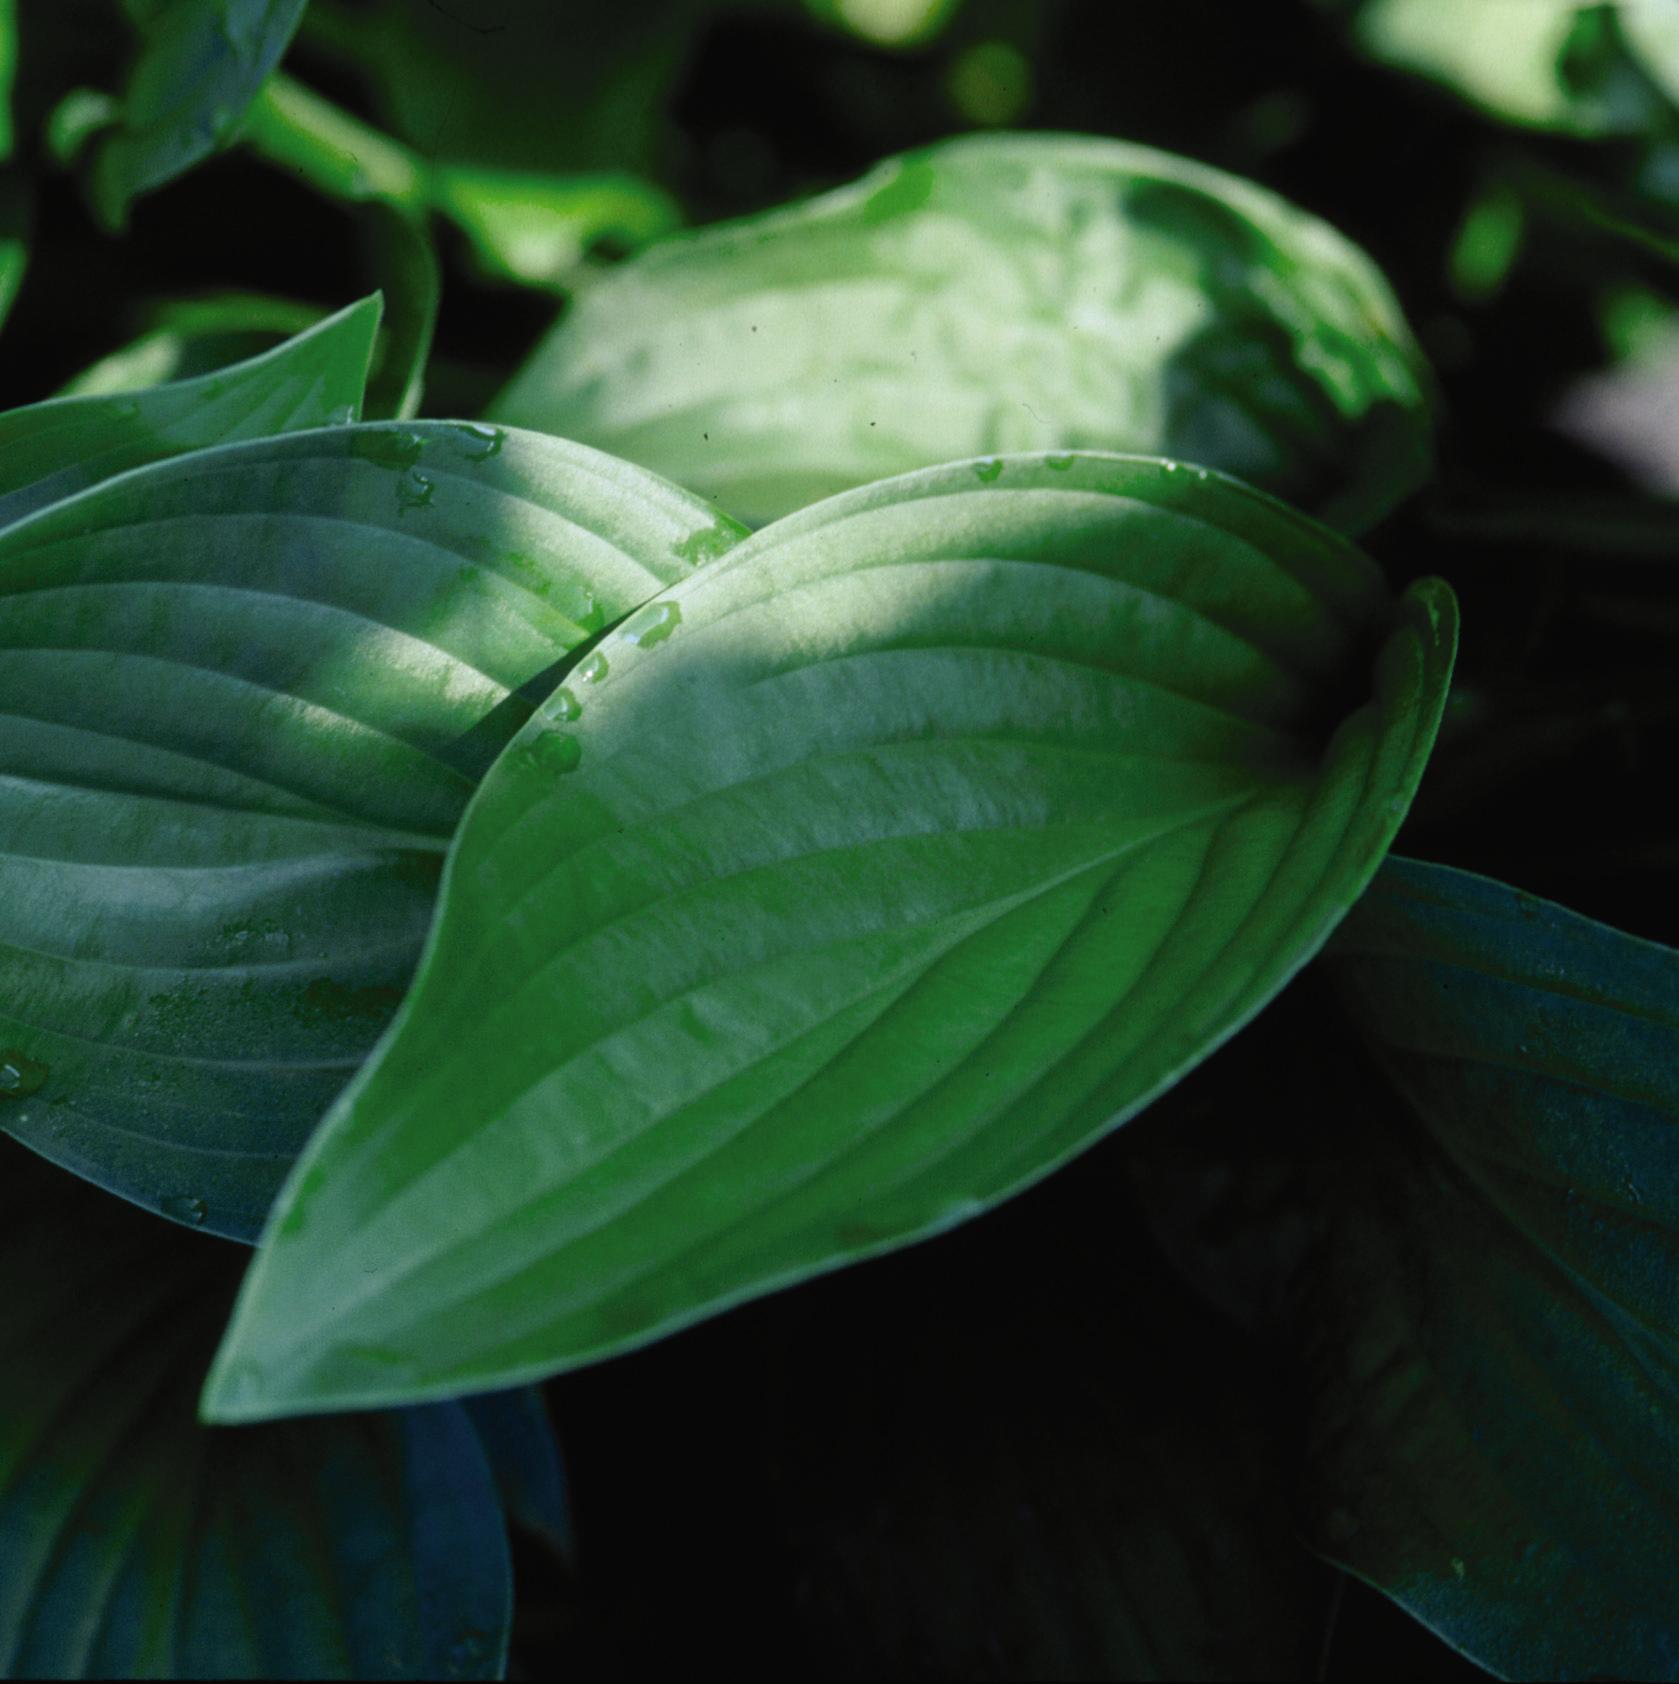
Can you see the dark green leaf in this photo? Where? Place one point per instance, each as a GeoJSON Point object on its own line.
{"type": "Point", "coordinates": [847, 888]}
{"type": "Point", "coordinates": [52, 450]}
{"type": "Point", "coordinates": [138, 1544]}
{"type": "Point", "coordinates": [518, 1439]}
{"type": "Point", "coordinates": [245, 696]}
{"type": "Point", "coordinates": [1005, 292]}
{"type": "Point", "coordinates": [1495, 1318]}
{"type": "Point", "coordinates": [14, 239]}
{"type": "Point", "coordinates": [8, 73]}
{"type": "Point", "coordinates": [201, 64]}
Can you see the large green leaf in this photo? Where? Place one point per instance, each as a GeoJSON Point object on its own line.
{"type": "Point", "coordinates": [1001, 292]}
{"type": "Point", "coordinates": [244, 699]}
{"type": "Point", "coordinates": [51, 450]}
{"type": "Point", "coordinates": [1494, 1315]}
{"type": "Point", "coordinates": [201, 63]}
{"type": "Point", "coordinates": [846, 888]}
{"type": "Point", "coordinates": [138, 1544]}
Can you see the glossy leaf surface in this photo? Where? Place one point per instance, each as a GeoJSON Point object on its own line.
{"type": "Point", "coordinates": [1005, 292]}
{"type": "Point", "coordinates": [245, 697]}
{"type": "Point", "coordinates": [138, 1544]}
{"type": "Point", "coordinates": [846, 888]}
{"type": "Point", "coordinates": [51, 450]}
{"type": "Point", "coordinates": [1494, 1316]}
{"type": "Point", "coordinates": [201, 64]}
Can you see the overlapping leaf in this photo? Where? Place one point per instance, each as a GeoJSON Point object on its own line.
{"type": "Point", "coordinates": [201, 63]}
{"type": "Point", "coordinates": [846, 888]}
{"type": "Point", "coordinates": [245, 696]}
{"type": "Point", "coordinates": [139, 1544]}
{"type": "Point", "coordinates": [996, 293]}
{"type": "Point", "coordinates": [1495, 1314]}
{"type": "Point", "coordinates": [51, 450]}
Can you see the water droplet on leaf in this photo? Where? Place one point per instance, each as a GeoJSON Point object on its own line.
{"type": "Point", "coordinates": [988, 472]}
{"type": "Point", "coordinates": [20, 1075]}
{"type": "Point", "coordinates": [395, 450]}
{"type": "Point", "coordinates": [554, 753]}
{"type": "Point", "coordinates": [479, 443]}
{"type": "Point", "coordinates": [563, 705]}
{"type": "Point", "coordinates": [184, 1208]}
{"type": "Point", "coordinates": [413, 491]}
{"type": "Point", "coordinates": [593, 670]}
{"type": "Point", "coordinates": [653, 624]}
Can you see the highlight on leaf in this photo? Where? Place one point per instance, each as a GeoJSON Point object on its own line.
{"type": "Point", "coordinates": [849, 886]}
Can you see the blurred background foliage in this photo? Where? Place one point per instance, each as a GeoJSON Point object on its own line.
{"type": "Point", "coordinates": [1511, 165]}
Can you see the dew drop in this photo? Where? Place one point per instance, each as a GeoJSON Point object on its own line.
{"type": "Point", "coordinates": [20, 1075]}
{"type": "Point", "coordinates": [1060, 464]}
{"type": "Point", "coordinates": [479, 443]}
{"type": "Point", "coordinates": [988, 471]}
{"type": "Point", "coordinates": [563, 705]}
{"type": "Point", "coordinates": [706, 544]}
{"type": "Point", "coordinates": [652, 625]}
{"type": "Point", "coordinates": [593, 670]}
{"type": "Point", "coordinates": [386, 448]}
{"type": "Point", "coordinates": [555, 754]}
{"type": "Point", "coordinates": [184, 1208]}
{"type": "Point", "coordinates": [413, 491]}
{"type": "Point", "coordinates": [342, 416]}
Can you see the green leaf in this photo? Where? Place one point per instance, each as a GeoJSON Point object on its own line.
{"type": "Point", "coordinates": [849, 887]}
{"type": "Point", "coordinates": [50, 451]}
{"type": "Point", "coordinates": [1023, 1453]}
{"type": "Point", "coordinates": [245, 697]}
{"type": "Point", "coordinates": [201, 64]}
{"type": "Point", "coordinates": [139, 1544]}
{"type": "Point", "coordinates": [1000, 292]}
{"type": "Point", "coordinates": [8, 74]}
{"type": "Point", "coordinates": [1547, 64]}
{"type": "Point", "coordinates": [536, 229]}
{"type": "Point", "coordinates": [518, 1439]}
{"type": "Point", "coordinates": [187, 337]}
{"type": "Point", "coordinates": [1494, 1317]}
{"type": "Point", "coordinates": [14, 239]}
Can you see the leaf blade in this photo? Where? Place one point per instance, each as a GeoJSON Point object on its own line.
{"type": "Point", "coordinates": [797, 888]}
{"type": "Point", "coordinates": [996, 293]}
{"type": "Point", "coordinates": [315, 645]}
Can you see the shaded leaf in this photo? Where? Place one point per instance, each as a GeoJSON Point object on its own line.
{"type": "Point", "coordinates": [518, 1439]}
{"type": "Point", "coordinates": [52, 450]}
{"type": "Point", "coordinates": [201, 63]}
{"type": "Point", "coordinates": [1493, 1315]}
{"type": "Point", "coordinates": [139, 1544]}
{"type": "Point", "coordinates": [193, 336]}
{"type": "Point", "coordinates": [14, 239]}
{"type": "Point", "coordinates": [245, 697]}
{"type": "Point", "coordinates": [1003, 292]}
{"type": "Point", "coordinates": [849, 887]}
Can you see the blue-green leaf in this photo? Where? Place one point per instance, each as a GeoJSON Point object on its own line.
{"type": "Point", "coordinates": [52, 450]}
{"type": "Point", "coordinates": [245, 696]}
{"type": "Point", "coordinates": [1494, 1313]}
{"type": "Point", "coordinates": [996, 293]}
{"type": "Point", "coordinates": [201, 63]}
{"type": "Point", "coordinates": [849, 886]}
{"type": "Point", "coordinates": [138, 1544]}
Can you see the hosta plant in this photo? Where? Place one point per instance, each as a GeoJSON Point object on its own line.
{"type": "Point", "coordinates": [876, 699]}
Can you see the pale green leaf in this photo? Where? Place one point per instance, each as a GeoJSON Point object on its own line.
{"type": "Point", "coordinates": [848, 887]}
{"type": "Point", "coordinates": [245, 696]}
{"type": "Point", "coordinates": [50, 451]}
{"type": "Point", "coordinates": [1000, 292]}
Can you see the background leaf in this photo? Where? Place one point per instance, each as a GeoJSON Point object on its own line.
{"type": "Point", "coordinates": [52, 450]}
{"type": "Point", "coordinates": [201, 63]}
{"type": "Point", "coordinates": [139, 1544]}
{"type": "Point", "coordinates": [847, 888]}
{"type": "Point", "coordinates": [245, 697]}
{"type": "Point", "coordinates": [996, 293]}
{"type": "Point", "coordinates": [1492, 1314]}
{"type": "Point", "coordinates": [518, 1439]}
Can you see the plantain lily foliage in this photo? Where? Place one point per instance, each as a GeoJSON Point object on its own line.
{"type": "Point", "coordinates": [886, 691]}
